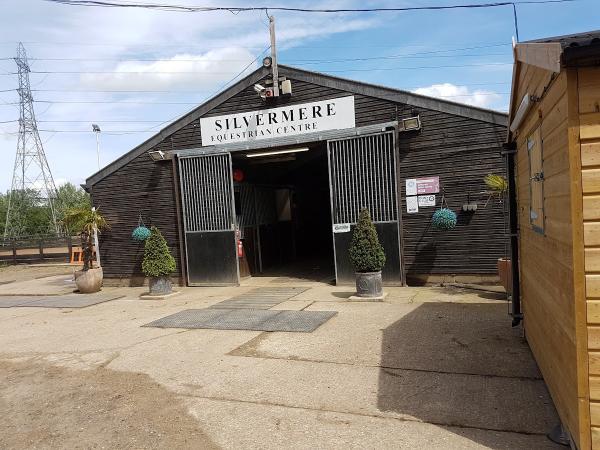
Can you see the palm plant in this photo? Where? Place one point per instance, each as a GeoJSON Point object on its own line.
{"type": "Point", "coordinates": [497, 187]}
{"type": "Point", "coordinates": [88, 221]}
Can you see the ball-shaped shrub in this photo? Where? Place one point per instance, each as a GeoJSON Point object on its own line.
{"type": "Point", "coordinates": [140, 234]}
{"type": "Point", "coordinates": [158, 261]}
{"type": "Point", "coordinates": [443, 219]}
{"type": "Point", "coordinates": [366, 252]}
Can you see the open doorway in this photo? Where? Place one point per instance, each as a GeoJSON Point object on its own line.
{"type": "Point", "coordinates": [282, 206]}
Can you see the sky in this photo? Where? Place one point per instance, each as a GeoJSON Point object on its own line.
{"type": "Point", "coordinates": [78, 55]}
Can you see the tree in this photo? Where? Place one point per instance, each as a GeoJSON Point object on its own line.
{"type": "Point", "coordinates": [158, 261]}
{"type": "Point", "coordinates": [70, 198]}
{"type": "Point", "coordinates": [33, 216]}
{"type": "Point", "coordinates": [88, 221]}
{"type": "Point", "coordinates": [366, 252]}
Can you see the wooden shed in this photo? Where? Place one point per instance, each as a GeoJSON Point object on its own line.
{"type": "Point", "coordinates": [554, 130]}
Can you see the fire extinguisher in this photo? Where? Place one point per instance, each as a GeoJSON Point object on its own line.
{"type": "Point", "coordinates": [240, 248]}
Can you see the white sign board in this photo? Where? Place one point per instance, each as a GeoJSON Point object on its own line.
{"type": "Point", "coordinates": [426, 200]}
{"type": "Point", "coordinates": [412, 205]}
{"type": "Point", "coordinates": [289, 120]}
{"type": "Point", "coordinates": [411, 186]}
{"type": "Point", "coordinates": [341, 227]}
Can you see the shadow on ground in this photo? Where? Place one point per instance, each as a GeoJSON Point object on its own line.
{"type": "Point", "coordinates": [462, 365]}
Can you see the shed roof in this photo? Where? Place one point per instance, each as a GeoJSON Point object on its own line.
{"type": "Point", "coordinates": [351, 86]}
{"type": "Point", "coordinates": [553, 54]}
{"type": "Point", "coordinates": [572, 40]}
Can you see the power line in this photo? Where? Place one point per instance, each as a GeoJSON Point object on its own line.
{"type": "Point", "coordinates": [159, 72]}
{"type": "Point", "coordinates": [220, 88]}
{"type": "Point", "coordinates": [428, 54]}
{"type": "Point", "coordinates": [298, 61]}
{"type": "Point", "coordinates": [266, 9]}
{"type": "Point", "coordinates": [238, 9]}
{"type": "Point", "coordinates": [91, 102]}
{"type": "Point", "coordinates": [194, 91]}
{"type": "Point", "coordinates": [179, 46]}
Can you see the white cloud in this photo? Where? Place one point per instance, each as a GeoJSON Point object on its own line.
{"type": "Point", "coordinates": [461, 94]}
{"type": "Point", "coordinates": [199, 71]}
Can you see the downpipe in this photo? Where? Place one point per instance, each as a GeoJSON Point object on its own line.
{"type": "Point", "coordinates": [510, 153]}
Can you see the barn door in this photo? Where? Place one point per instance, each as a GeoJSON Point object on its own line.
{"type": "Point", "coordinates": [209, 219]}
{"type": "Point", "coordinates": [362, 174]}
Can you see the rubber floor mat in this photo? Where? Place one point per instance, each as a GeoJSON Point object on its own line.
{"type": "Point", "coordinates": [259, 298]}
{"type": "Point", "coordinates": [56, 301]}
{"type": "Point", "coordinates": [245, 319]}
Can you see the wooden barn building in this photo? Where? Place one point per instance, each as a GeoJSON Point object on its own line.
{"type": "Point", "coordinates": [248, 184]}
{"type": "Point", "coordinates": [555, 131]}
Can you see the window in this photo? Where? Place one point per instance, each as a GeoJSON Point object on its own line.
{"type": "Point", "coordinates": [536, 180]}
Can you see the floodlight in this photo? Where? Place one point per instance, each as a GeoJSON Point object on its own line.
{"type": "Point", "coordinates": [411, 123]}
{"type": "Point", "coordinates": [157, 155]}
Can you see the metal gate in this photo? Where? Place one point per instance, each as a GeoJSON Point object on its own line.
{"type": "Point", "coordinates": [362, 174]}
{"type": "Point", "coordinates": [209, 219]}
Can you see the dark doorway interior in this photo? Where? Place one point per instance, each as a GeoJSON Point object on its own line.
{"type": "Point", "coordinates": [283, 213]}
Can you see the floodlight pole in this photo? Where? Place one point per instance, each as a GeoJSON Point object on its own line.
{"type": "Point", "coordinates": [98, 148]}
{"type": "Point", "coordinates": [274, 57]}
{"type": "Point", "coordinates": [97, 133]}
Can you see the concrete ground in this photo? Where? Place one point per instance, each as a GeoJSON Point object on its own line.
{"type": "Point", "coordinates": [429, 368]}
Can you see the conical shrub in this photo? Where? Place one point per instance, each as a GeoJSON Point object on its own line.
{"type": "Point", "coordinates": [158, 260]}
{"type": "Point", "coordinates": [366, 252]}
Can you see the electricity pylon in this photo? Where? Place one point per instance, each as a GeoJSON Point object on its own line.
{"type": "Point", "coordinates": [32, 182]}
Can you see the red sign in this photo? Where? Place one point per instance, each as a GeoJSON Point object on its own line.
{"type": "Point", "coordinates": [429, 185]}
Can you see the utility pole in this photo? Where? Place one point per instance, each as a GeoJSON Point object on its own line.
{"type": "Point", "coordinates": [274, 57]}
{"type": "Point", "coordinates": [32, 182]}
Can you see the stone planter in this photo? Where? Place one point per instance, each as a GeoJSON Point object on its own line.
{"type": "Point", "coordinates": [89, 281]}
{"type": "Point", "coordinates": [160, 285]}
{"type": "Point", "coordinates": [505, 273]}
{"type": "Point", "coordinates": [369, 284]}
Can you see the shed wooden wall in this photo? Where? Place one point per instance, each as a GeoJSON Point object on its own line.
{"type": "Point", "coordinates": [588, 120]}
{"type": "Point", "coordinates": [551, 292]}
{"type": "Point", "coordinates": [460, 150]}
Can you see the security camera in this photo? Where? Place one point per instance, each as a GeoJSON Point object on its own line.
{"type": "Point", "coordinates": [264, 92]}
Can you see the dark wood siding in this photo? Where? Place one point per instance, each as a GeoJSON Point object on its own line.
{"type": "Point", "coordinates": [460, 150]}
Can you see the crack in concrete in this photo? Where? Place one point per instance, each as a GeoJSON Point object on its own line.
{"type": "Point", "coordinates": [250, 350]}
{"type": "Point", "coordinates": [375, 416]}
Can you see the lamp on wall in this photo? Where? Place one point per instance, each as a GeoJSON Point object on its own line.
{"type": "Point", "coordinates": [411, 123]}
{"type": "Point", "coordinates": [521, 111]}
{"type": "Point", "coordinates": [277, 152]}
{"type": "Point", "coordinates": [157, 155]}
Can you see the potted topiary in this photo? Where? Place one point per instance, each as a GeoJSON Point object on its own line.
{"type": "Point", "coordinates": [158, 263]}
{"type": "Point", "coordinates": [90, 222]}
{"type": "Point", "coordinates": [367, 257]}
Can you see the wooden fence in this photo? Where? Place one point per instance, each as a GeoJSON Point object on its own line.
{"type": "Point", "coordinates": [36, 250]}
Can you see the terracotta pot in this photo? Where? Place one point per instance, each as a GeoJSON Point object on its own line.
{"type": "Point", "coordinates": [505, 273]}
{"type": "Point", "coordinates": [369, 284]}
{"type": "Point", "coordinates": [89, 281]}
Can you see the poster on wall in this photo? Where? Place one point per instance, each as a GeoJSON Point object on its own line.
{"type": "Point", "coordinates": [426, 200]}
{"type": "Point", "coordinates": [412, 204]}
{"type": "Point", "coordinates": [419, 186]}
{"type": "Point", "coordinates": [411, 186]}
